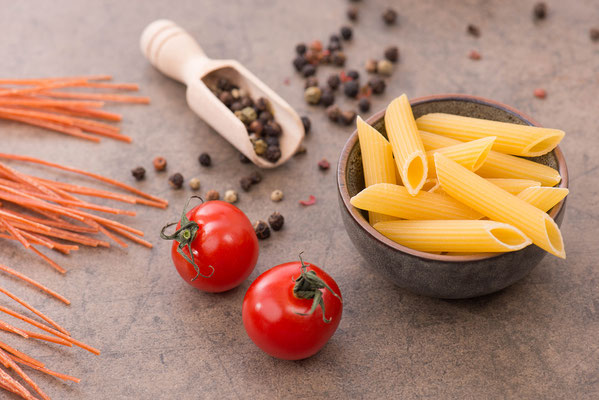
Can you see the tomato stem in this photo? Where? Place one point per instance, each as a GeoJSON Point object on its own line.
{"type": "Point", "coordinates": [185, 235]}
{"type": "Point", "coordinates": [307, 286]}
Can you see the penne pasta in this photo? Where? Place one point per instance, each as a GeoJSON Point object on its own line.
{"type": "Point", "coordinates": [396, 201]}
{"type": "Point", "coordinates": [455, 236]}
{"type": "Point", "coordinates": [498, 165]}
{"type": "Point", "coordinates": [520, 140]}
{"type": "Point", "coordinates": [377, 161]}
{"type": "Point", "coordinates": [514, 186]}
{"type": "Point", "coordinates": [470, 154]}
{"type": "Point", "coordinates": [430, 185]}
{"type": "Point", "coordinates": [407, 146]}
{"type": "Point", "coordinates": [498, 205]}
{"type": "Point", "coordinates": [543, 198]}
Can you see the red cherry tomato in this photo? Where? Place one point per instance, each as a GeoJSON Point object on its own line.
{"type": "Point", "coordinates": [225, 247]}
{"type": "Point", "coordinates": [285, 325]}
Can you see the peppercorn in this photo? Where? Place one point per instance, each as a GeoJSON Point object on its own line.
{"type": "Point", "coordinates": [255, 127]}
{"type": "Point", "coordinates": [308, 70]}
{"type": "Point", "coordinates": [276, 195]}
{"type": "Point", "coordinates": [223, 84]}
{"type": "Point", "coordinates": [243, 159]}
{"type": "Point", "coordinates": [194, 183]}
{"type": "Point", "coordinates": [260, 147]}
{"type": "Point", "coordinates": [594, 34]}
{"type": "Point", "coordinates": [247, 102]}
{"type": "Point", "coordinates": [392, 53]}
{"type": "Point", "coordinates": [347, 117]}
{"type": "Point", "coordinates": [333, 81]}
{"type": "Point", "coordinates": [205, 159]}
{"type": "Point", "coordinates": [312, 95]}
{"type": "Point", "coordinates": [299, 63]}
{"type": "Point", "coordinates": [377, 85]}
{"type": "Point", "coordinates": [323, 164]}
{"type": "Point", "coordinates": [176, 180]}
{"type": "Point", "coordinates": [540, 93]}
{"type": "Point", "coordinates": [256, 177]}
{"type": "Point", "coordinates": [226, 98]}
{"type": "Point", "coordinates": [474, 55]}
{"type": "Point", "coordinates": [273, 153]}
{"type": "Point", "coordinates": [272, 128]}
{"type": "Point", "coordinates": [334, 113]}
{"type": "Point", "coordinates": [346, 32]}
{"type": "Point", "coordinates": [300, 48]}
{"type": "Point", "coordinates": [351, 88]}
{"type": "Point", "coordinates": [307, 124]}
{"type": "Point", "coordinates": [235, 93]}
{"type": "Point", "coordinates": [473, 30]}
{"type": "Point", "coordinates": [262, 104]}
{"type": "Point", "coordinates": [316, 45]}
{"type": "Point", "coordinates": [384, 67]}
{"type": "Point", "coordinates": [352, 13]}
{"type": "Point", "coordinates": [159, 163]}
{"type": "Point", "coordinates": [334, 46]}
{"type": "Point", "coordinates": [276, 221]}
{"type": "Point", "coordinates": [230, 196]}
{"type": "Point", "coordinates": [327, 98]}
{"type": "Point", "coordinates": [540, 11]}
{"type": "Point", "coordinates": [370, 66]}
{"type": "Point", "coordinates": [310, 82]}
{"type": "Point", "coordinates": [313, 57]}
{"type": "Point", "coordinates": [212, 195]}
{"type": "Point", "coordinates": [245, 183]}
{"type": "Point", "coordinates": [236, 106]}
{"type": "Point", "coordinates": [248, 115]}
{"type": "Point", "coordinates": [338, 58]}
{"type": "Point", "coordinates": [364, 104]}
{"type": "Point", "coordinates": [272, 140]}
{"type": "Point", "coordinates": [265, 116]}
{"type": "Point", "coordinates": [389, 16]}
{"type": "Point", "coordinates": [138, 173]}
{"type": "Point", "coordinates": [262, 230]}
{"type": "Point", "coordinates": [353, 74]}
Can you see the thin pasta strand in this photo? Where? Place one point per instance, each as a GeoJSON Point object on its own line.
{"type": "Point", "coordinates": [32, 282]}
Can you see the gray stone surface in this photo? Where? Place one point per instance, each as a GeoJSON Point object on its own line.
{"type": "Point", "coordinates": [161, 339]}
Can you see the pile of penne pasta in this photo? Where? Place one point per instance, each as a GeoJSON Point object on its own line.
{"type": "Point", "coordinates": [449, 184]}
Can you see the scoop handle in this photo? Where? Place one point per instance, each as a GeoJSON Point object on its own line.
{"type": "Point", "coordinates": [173, 51]}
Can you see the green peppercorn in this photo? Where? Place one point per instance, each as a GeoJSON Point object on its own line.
{"type": "Point", "coordinates": [276, 195]}
{"type": "Point", "coordinates": [230, 196]}
{"type": "Point", "coordinates": [260, 146]}
{"type": "Point", "coordinates": [312, 95]}
{"type": "Point", "coordinates": [249, 115]}
{"type": "Point", "coordinates": [384, 67]}
{"type": "Point", "coordinates": [194, 183]}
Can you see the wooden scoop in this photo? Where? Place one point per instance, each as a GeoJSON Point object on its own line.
{"type": "Point", "coordinates": [176, 54]}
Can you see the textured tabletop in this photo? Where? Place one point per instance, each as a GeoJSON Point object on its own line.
{"type": "Point", "coordinates": [162, 339]}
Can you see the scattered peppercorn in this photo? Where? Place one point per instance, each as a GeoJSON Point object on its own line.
{"type": "Point", "coordinates": [256, 177]}
{"type": "Point", "coordinates": [276, 195]}
{"type": "Point", "coordinates": [256, 127]}
{"type": "Point", "coordinates": [230, 196]}
{"type": "Point", "coordinates": [273, 153]}
{"type": "Point", "coordinates": [243, 159]}
{"type": "Point", "coordinates": [334, 113]}
{"type": "Point", "coordinates": [377, 85]}
{"type": "Point", "coordinates": [138, 173]}
{"type": "Point", "coordinates": [327, 98]}
{"type": "Point", "coordinates": [389, 16]}
{"type": "Point", "coordinates": [473, 30]}
{"type": "Point", "coordinates": [539, 11]}
{"type": "Point", "coordinates": [346, 32]}
{"type": "Point", "coordinates": [262, 230]}
{"type": "Point", "coordinates": [384, 67]}
{"type": "Point", "coordinates": [351, 89]}
{"type": "Point", "coordinates": [392, 53]}
{"type": "Point", "coordinates": [540, 93]}
{"type": "Point", "coordinates": [312, 95]}
{"type": "Point", "coordinates": [276, 221]}
{"type": "Point", "coordinates": [370, 66]}
{"type": "Point", "coordinates": [333, 81]}
{"type": "Point", "coordinates": [594, 34]}
{"type": "Point", "coordinates": [364, 104]}
{"type": "Point", "coordinates": [212, 195]}
{"type": "Point", "coordinates": [324, 164]}
{"type": "Point", "coordinates": [176, 180]}
{"type": "Point", "coordinates": [310, 82]}
{"type": "Point", "coordinates": [308, 70]}
{"type": "Point", "coordinates": [299, 63]}
{"type": "Point", "coordinates": [194, 183]}
{"type": "Point", "coordinates": [338, 58]}
{"type": "Point", "coordinates": [205, 159]}
{"type": "Point", "coordinates": [300, 48]}
{"type": "Point", "coordinates": [352, 13]}
{"type": "Point", "coordinates": [245, 183]}
{"type": "Point", "coordinates": [335, 45]}
{"type": "Point", "coordinates": [348, 117]}
{"type": "Point", "coordinates": [353, 74]}
{"type": "Point", "coordinates": [159, 163]}
{"type": "Point", "coordinates": [307, 124]}
{"type": "Point", "coordinates": [474, 55]}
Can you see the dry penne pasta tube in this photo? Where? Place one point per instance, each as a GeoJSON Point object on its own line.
{"type": "Point", "coordinates": [377, 161]}
{"type": "Point", "coordinates": [520, 140]}
{"type": "Point", "coordinates": [498, 205]}
{"type": "Point", "coordinates": [396, 201]}
{"type": "Point", "coordinates": [430, 185]}
{"type": "Point", "coordinates": [471, 155]}
{"type": "Point", "coordinates": [499, 165]}
{"type": "Point", "coordinates": [514, 186]}
{"type": "Point", "coordinates": [407, 146]}
{"type": "Point", "coordinates": [543, 198]}
{"type": "Point", "coordinates": [454, 236]}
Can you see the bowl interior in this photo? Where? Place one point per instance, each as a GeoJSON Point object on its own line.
{"type": "Point", "coordinates": [451, 104]}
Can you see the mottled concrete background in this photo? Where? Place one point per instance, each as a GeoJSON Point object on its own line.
{"type": "Point", "coordinates": [161, 339]}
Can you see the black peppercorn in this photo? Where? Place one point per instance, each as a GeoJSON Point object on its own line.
{"type": "Point", "coordinates": [377, 85]}
{"type": "Point", "coordinates": [333, 113]}
{"type": "Point", "coordinates": [205, 159]}
{"type": "Point", "coordinates": [334, 38]}
{"type": "Point", "coordinates": [334, 81]}
{"type": "Point", "coordinates": [352, 13]}
{"type": "Point", "coordinates": [346, 32]}
{"type": "Point", "coordinates": [273, 153]}
{"type": "Point", "coordinates": [176, 180]}
{"type": "Point", "coordinates": [256, 177]}
{"type": "Point", "coordinates": [473, 30]}
{"type": "Point", "coordinates": [261, 104]}
{"type": "Point", "coordinates": [262, 230]}
{"type": "Point", "coordinates": [300, 48]}
{"type": "Point", "coordinates": [299, 63]}
{"type": "Point", "coordinates": [308, 70]}
{"type": "Point", "coordinates": [310, 82]}
{"type": "Point", "coordinates": [353, 74]}
{"type": "Point", "coordinates": [246, 101]}
{"type": "Point", "coordinates": [245, 183]}
{"type": "Point", "coordinates": [138, 173]}
{"type": "Point", "coordinates": [594, 34]}
{"type": "Point", "coordinates": [236, 106]}
{"type": "Point", "coordinates": [243, 159]}
{"type": "Point", "coordinates": [338, 58]}
{"type": "Point", "coordinates": [226, 98]}
{"type": "Point", "coordinates": [334, 46]}
{"type": "Point", "coordinates": [265, 116]}
{"type": "Point", "coordinates": [540, 11]}
{"type": "Point", "coordinates": [364, 104]}
{"type": "Point", "coordinates": [307, 124]}
{"type": "Point", "coordinates": [351, 88]}
{"type": "Point", "coordinates": [272, 141]}
{"type": "Point", "coordinates": [272, 128]}
{"type": "Point", "coordinates": [390, 16]}
{"type": "Point", "coordinates": [392, 53]}
{"type": "Point", "coordinates": [276, 221]}
{"type": "Point", "coordinates": [327, 98]}
{"type": "Point", "coordinates": [347, 117]}
{"type": "Point", "coordinates": [223, 84]}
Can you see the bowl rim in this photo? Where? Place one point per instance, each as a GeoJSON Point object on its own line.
{"type": "Point", "coordinates": [358, 218]}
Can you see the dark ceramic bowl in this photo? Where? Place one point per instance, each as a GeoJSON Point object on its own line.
{"type": "Point", "coordinates": [443, 276]}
